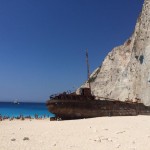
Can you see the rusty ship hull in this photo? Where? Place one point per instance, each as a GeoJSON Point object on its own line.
{"type": "Point", "coordinates": [78, 107]}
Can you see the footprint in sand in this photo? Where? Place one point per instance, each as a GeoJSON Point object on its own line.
{"type": "Point", "coordinates": [118, 146]}
{"type": "Point", "coordinates": [107, 139]}
{"type": "Point", "coordinates": [121, 132]}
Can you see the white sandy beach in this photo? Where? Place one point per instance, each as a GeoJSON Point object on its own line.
{"type": "Point", "coordinates": [106, 133]}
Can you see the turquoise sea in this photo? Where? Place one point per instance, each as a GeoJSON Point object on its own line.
{"type": "Point", "coordinates": [26, 109]}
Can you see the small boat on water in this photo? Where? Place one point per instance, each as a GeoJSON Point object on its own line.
{"type": "Point", "coordinates": [16, 102]}
{"type": "Point", "coordinates": [85, 105]}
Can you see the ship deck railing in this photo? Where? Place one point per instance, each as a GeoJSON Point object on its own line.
{"type": "Point", "coordinates": [111, 99]}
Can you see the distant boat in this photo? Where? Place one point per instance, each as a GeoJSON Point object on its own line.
{"type": "Point", "coordinates": [16, 102]}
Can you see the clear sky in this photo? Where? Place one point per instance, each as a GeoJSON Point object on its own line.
{"type": "Point", "coordinates": [43, 42]}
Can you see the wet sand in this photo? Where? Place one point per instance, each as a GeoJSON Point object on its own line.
{"type": "Point", "coordinates": [105, 133]}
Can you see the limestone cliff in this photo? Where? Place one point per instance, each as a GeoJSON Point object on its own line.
{"type": "Point", "coordinates": [125, 72]}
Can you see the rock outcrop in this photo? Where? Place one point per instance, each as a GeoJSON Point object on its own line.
{"type": "Point", "coordinates": [125, 72]}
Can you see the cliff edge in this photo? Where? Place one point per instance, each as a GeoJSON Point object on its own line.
{"type": "Point", "coordinates": [125, 72]}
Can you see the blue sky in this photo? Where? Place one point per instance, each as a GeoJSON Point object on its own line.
{"type": "Point", "coordinates": [43, 42]}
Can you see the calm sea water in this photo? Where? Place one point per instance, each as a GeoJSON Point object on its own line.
{"type": "Point", "coordinates": [25, 109]}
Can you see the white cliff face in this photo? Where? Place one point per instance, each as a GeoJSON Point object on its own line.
{"type": "Point", "coordinates": [125, 72]}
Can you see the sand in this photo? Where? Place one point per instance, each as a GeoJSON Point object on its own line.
{"type": "Point", "coordinates": [105, 133]}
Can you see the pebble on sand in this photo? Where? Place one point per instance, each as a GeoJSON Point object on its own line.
{"type": "Point", "coordinates": [26, 139]}
{"type": "Point", "coordinates": [13, 139]}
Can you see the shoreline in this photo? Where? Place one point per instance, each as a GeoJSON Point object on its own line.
{"type": "Point", "coordinates": [21, 117]}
